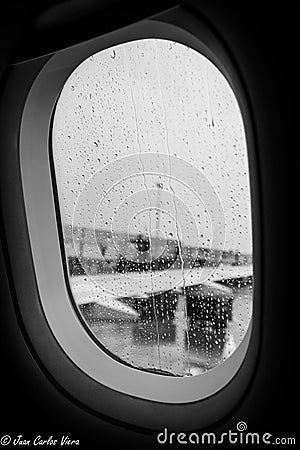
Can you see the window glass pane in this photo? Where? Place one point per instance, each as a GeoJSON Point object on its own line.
{"type": "Point", "coordinates": [152, 176]}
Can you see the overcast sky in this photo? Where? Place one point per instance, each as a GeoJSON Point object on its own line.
{"type": "Point", "coordinates": [153, 126]}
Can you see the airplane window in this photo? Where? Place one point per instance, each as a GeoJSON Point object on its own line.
{"type": "Point", "coordinates": [151, 168]}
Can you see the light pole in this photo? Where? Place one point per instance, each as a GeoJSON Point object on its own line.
{"type": "Point", "coordinates": [157, 225]}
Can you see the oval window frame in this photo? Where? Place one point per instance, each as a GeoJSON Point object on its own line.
{"type": "Point", "coordinates": [34, 150]}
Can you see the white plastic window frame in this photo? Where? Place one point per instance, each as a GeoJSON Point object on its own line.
{"type": "Point", "coordinates": [41, 214]}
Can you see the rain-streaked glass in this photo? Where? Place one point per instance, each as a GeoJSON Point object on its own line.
{"type": "Point", "coordinates": [152, 177]}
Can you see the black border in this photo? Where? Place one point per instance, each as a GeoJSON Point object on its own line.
{"type": "Point", "coordinates": [255, 218]}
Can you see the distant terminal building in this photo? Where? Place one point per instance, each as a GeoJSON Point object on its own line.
{"type": "Point", "coordinates": [98, 251]}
